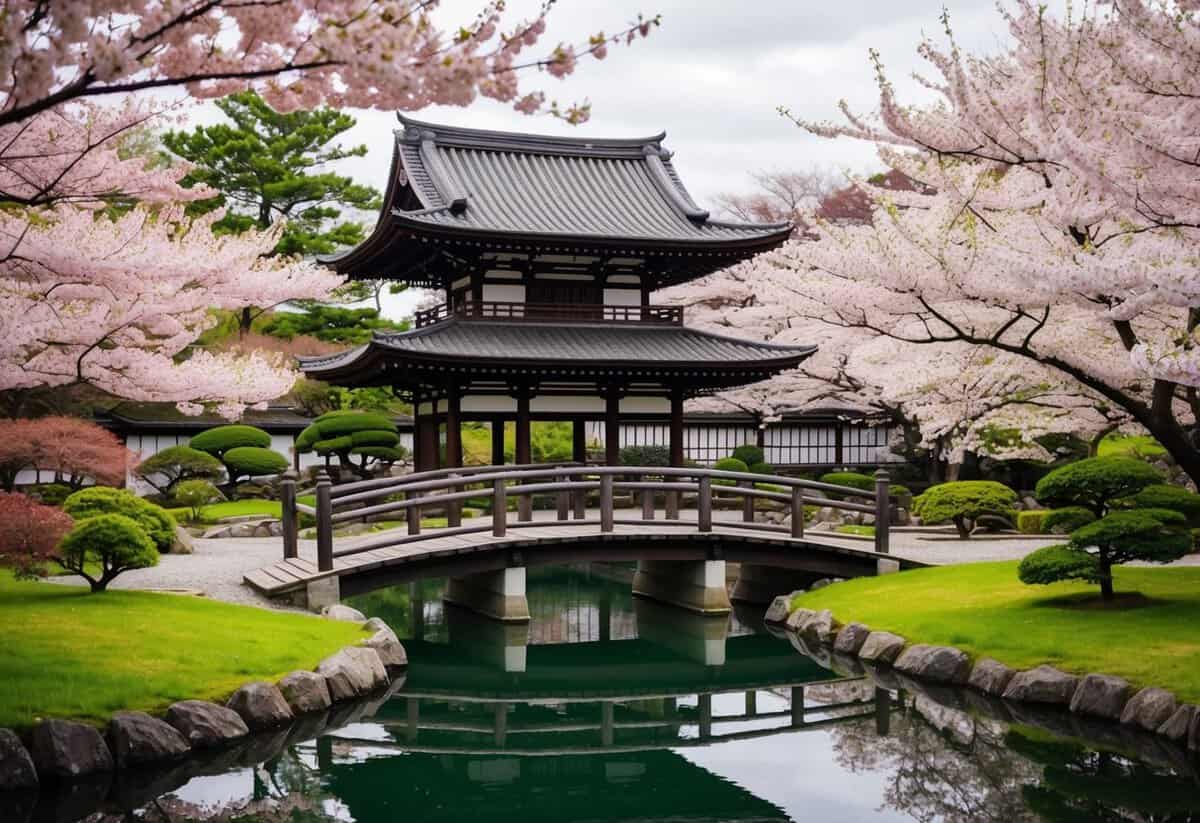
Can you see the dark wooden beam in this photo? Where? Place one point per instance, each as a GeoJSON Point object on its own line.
{"type": "Point", "coordinates": [579, 440]}
{"type": "Point", "coordinates": [612, 426]}
{"type": "Point", "coordinates": [497, 427]}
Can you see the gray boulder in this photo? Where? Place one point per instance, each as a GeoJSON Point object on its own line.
{"type": "Point", "coordinates": [1101, 695]}
{"type": "Point", "coordinates": [369, 659]}
{"type": "Point", "coordinates": [389, 649]}
{"type": "Point", "coordinates": [305, 692]}
{"type": "Point", "coordinates": [797, 618]}
{"type": "Point", "coordinates": [345, 675]}
{"type": "Point", "coordinates": [261, 705]}
{"type": "Point", "coordinates": [182, 543]}
{"type": "Point", "coordinates": [65, 750]}
{"type": "Point", "coordinates": [16, 766]}
{"type": "Point", "coordinates": [205, 724]}
{"type": "Point", "coordinates": [818, 628]}
{"type": "Point", "coordinates": [1149, 709]}
{"type": "Point", "coordinates": [1177, 727]}
{"type": "Point", "coordinates": [777, 612]}
{"type": "Point", "coordinates": [136, 739]}
{"type": "Point", "coordinates": [990, 676]}
{"type": "Point", "coordinates": [851, 638]}
{"type": "Point", "coordinates": [242, 530]}
{"type": "Point", "coordinates": [375, 624]}
{"type": "Point", "coordinates": [881, 647]}
{"type": "Point", "coordinates": [1044, 684]}
{"type": "Point", "coordinates": [937, 664]}
{"type": "Point", "coordinates": [339, 612]}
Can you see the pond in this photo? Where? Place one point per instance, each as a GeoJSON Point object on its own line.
{"type": "Point", "coordinates": [607, 707]}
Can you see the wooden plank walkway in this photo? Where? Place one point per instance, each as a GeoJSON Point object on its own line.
{"type": "Point", "coordinates": [293, 574]}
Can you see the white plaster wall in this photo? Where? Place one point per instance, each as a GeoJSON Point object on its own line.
{"type": "Point", "coordinates": [504, 292]}
{"type": "Point", "coordinates": [622, 297]}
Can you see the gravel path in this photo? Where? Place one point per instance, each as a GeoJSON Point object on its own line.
{"type": "Point", "coordinates": [217, 566]}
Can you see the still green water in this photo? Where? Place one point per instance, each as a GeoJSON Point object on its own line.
{"type": "Point", "coordinates": [610, 708]}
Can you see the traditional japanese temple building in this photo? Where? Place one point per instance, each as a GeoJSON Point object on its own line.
{"type": "Point", "coordinates": [547, 249]}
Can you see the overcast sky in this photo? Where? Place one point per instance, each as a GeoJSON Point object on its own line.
{"type": "Point", "coordinates": [712, 76]}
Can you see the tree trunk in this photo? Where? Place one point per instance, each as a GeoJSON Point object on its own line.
{"type": "Point", "coordinates": [1106, 580]}
{"type": "Point", "coordinates": [100, 585]}
{"type": "Point", "coordinates": [964, 528]}
{"type": "Point", "coordinates": [246, 319]}
{"type": "Point", "coordinates": [952, 471]}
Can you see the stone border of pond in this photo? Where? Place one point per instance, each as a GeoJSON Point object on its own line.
{"type": "Point", "coordinates": [75, 757]}
{"type": "Point", "coordinates": [1032, 695]}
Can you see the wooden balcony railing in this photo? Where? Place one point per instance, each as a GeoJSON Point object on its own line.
{"type": "Point", "coordinates": [552, 313]}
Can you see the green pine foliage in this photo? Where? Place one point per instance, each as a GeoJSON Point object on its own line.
{"type": "Point", "coordinates": [761, 468]}
{"type": "Point", "coordinates": [333, 324]}
{"type": "Point", "coordinates": [216, 441]}
{"type": "Point", "coordinates": [1054, 564]}
{"type": "Point", "coordinates": [645, 456]}
{"type": "Point", "coordinates": [1066, 519]}
{"type": "Point", "coordinates": [371, 437]}
{"type": "Point", "coordinates": [95, 501]}
{"type": "Point", "coordinates": [962, 502]}
{"type": "Point", "coordinates": [1167, 496]}
{"type": "Point", "coordinates": [196, 494]}
{"type": "Point", "coordinates": [251, 461]}
{"type": "Point", "coordinates": [114, 542]}
{"type": "Point", "coordinates": [1096, 482]}
{"type": "Point", "coordinates": [853, 480]}
{"type": "Point", "coordinates": [177, 464]}
{"type": "Point", "coordinates": [243, 451]}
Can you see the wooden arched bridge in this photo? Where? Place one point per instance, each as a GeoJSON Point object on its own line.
{"type": "Point", "coordinates": [485, 557]}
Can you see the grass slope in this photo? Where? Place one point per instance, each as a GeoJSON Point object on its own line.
{"type": "Point", "coordinates": [76, 655]}
{"type": "Point", "coordinates": [984, 610]}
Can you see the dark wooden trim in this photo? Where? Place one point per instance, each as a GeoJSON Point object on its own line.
{"type": "Point", "coordinates": [612, 426]}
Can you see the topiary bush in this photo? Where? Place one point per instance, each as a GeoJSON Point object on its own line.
{"type": "Point", "coordinates": [1167, 496]}
{"type": "Point", "coordinates": [1032, 522]}
{"type": "Point", "coordinates": [196, 494]}
{"type": "Point", "coordinates": [962, 502]}
{"type": "Point", "coordinates": [761, 468]}
{"type": "Point", "coordinates": [1095, 483]}
{"type": "Point", "coordinates": [370, 436]}
{"type": "Point", "coordinates": [729, 464]}
{"type": "Point", "coordinates": [749, 454]}
{"type": "Point", "coordinates": [154, 520]}
{"type": "Point", "coordinates": [645, 456]}
{"type": "Point", "coordinates": [854, 480]}
{"type": "Point", "coordinates": [176, 464]}
{"type": "Point", "coordinates": [1149, 535]}
{"type": "Point", "coordinates": [243, 451]}
{"type": "Point", "coordinates": [118, 543]}
{"type": "Point", "coordinates": [52, 494]}
{"type": "Point", "coordinates": [1066, 519]}
{"type": "Point", "coordinates": [1052, 564]}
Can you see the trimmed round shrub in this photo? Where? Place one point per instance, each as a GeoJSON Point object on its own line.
{"type": "Point", "coordinates": [1032, 522]}
{"type": "Point", "coordinates": [251, 461]}
{"type": "Point", "coordinates": [348, 421]}
{"type": "Point", "coordinates": [762, 468]}
{"type": "Point", "coordinates": [1148, 535]}
{"type": "Point", "coordinates": [962, 502]}
{"type": "Point", "coordinates": [854, 480]}
{"type": "Point", "coordinates": [1066, 519]}
{"type": "Point", "coordinates": [749, 454]}
{"type": "Point", "coordinates": [176, 464]}
{"type": "Point", "coordinates": [1096, 482]}
{"type": "Point", "coordinates": [729, 464]}
{"type": "Point", "coordinates": [384, 454]}
{"type": "Point", "coordinates": [1052, 564]}
{"type": "Point", "coordinates": [645, 456]}
{"type": "Point", "coordinates": [1167, 496]}
{"type": "Point", "coordinates": [221, 439]}
{"type": "Point", "coordinates": [115, 541]}
{"type": "Point", "coordinates": [350, 433]}
{"type": "Point", "coordinates": [333, 445]}
{"type": "Point", "coordinates": [154, 520]}
{"type": "Point", "coordinates": [376, 437]}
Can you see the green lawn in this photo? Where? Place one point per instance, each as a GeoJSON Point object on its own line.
{"type": "Point", "coordinates": [237, 508]}
{"type": "Point", "coordinates": [984, 610]}
{"type": "Point", "coordinates": [68, 653]}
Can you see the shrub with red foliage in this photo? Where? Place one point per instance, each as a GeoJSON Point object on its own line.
{"type": "Point", "coordinates": [74, 449]}
{"type": "Point", "coordinates": [29, 534]}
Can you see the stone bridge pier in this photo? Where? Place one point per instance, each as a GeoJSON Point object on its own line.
{"type": "Point", "coordinates": [498, 594]}
{"type": "Point", "coordinates": [761, 584]}
{"type": "Point", "coordinates": [695, 585]}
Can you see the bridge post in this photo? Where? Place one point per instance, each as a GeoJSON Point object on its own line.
{"type": "Point", "coordinates": [647, 501]}
{"type": "Point", "coordinates": [412, 515]}
{"type": "Point", "coordinates": [747, 502]}
{"type": "Point", "coordinates": [883, 511]}
{"type": "Point", "coordinates": [324, 522]}
{"type": "Point", "coordinates": [606, 502]}
{"type": "Point", "coordinates": [704, 707]}
{"type": "Point", "coordinates": [797, 706]}
{"type": "Point", "coordinates": [454, 508]}
{"type": "Point", "coordinates": [797, 511]}
{"type": "Point", "coordinates": [562, 499]}
{"type": "Point", "coordinates": [499, 508]}
{"type": "Point", "coordinates": [579, 496]}
{"type": "Point", "coordinates": [287, 517]}
{"type": "Point", "coordinates": [704, 504]}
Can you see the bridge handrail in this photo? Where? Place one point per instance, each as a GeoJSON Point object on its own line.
{"type": "Point", "coordinates": [449, 487]}
{"type": "Point", "coordinates": [387, 482]}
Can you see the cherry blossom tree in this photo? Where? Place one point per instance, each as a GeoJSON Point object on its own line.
{"type": "Point", "coordinates": [102, 279]}
{"type": "Point", "coordinates": [1055, 220]}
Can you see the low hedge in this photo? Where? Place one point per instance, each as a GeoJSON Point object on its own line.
{"type": "Point", "coordinates": [1032, 522]}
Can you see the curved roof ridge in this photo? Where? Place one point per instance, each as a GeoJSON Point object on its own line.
{"type": "Point", "coordinates": [497, 140]}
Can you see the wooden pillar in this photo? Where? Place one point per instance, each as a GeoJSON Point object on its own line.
{"type": "Point", "coordinates": [579, 441]}
{"type": "Point", "coordinates": [612, 426]}
{"type": "Point", "coordinates": [324, 522]}
{"type": "Point", "coordinates": [453, 447]}
{"type": "Point", "coordinates": [497, 441]}
{"type": "Point", "coordinates": [676, 448]}
{"type": "Point", "coordinates": [524, 453]}
{"type": "Point", "coordinates": [288, 515]}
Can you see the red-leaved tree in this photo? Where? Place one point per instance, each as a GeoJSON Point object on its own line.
{"type": "Point", "coordinates": [75, 450]}
{"type": "Point", "coordinates": [29, 534]}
